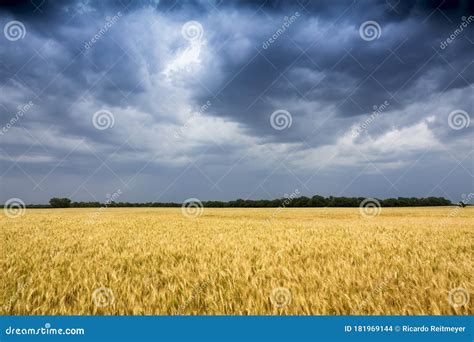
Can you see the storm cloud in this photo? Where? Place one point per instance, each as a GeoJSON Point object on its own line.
{"type": "Point", "coordinates": [168, 100]}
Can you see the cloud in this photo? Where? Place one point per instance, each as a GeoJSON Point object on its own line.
{"type": "Point", "coordinates": [181, 105]}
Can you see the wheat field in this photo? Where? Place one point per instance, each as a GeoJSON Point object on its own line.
{"type": "Point", "coordinates": [318, 261]}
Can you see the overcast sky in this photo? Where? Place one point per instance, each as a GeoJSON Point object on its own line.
{"type": "Point", "coordinates": [168, 100]}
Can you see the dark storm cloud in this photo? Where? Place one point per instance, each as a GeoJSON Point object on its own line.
{"type": "Point", "coordinates": [357, 74]}
{"type": "Point", "coordinates": [319, 69]}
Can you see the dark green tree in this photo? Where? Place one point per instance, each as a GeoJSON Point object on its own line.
{"type": "Point", "coordinates": [60, 202]}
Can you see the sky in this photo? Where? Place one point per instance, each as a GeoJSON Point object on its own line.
{"type": "Point", "coordinates": [158, 101]}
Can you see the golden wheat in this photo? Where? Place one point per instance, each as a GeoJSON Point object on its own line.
{"type": "Point", "coordinates": [237, 261]}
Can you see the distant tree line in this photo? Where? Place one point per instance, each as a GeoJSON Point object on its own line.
{"type": "Point", "coordinates": [297, 202]}
{"type": "Point", "coordinates": [331, 201]}
{"type": "Point", "coordinates": [60, 202]}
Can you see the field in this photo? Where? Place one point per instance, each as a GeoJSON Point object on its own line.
{"type": "Point", "coordinates": [143, 261]}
